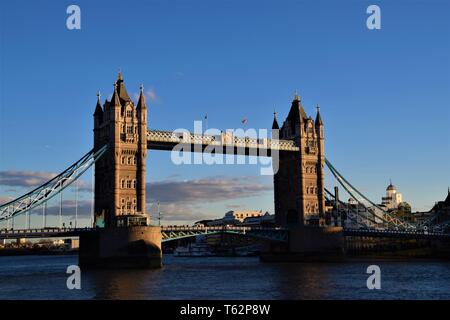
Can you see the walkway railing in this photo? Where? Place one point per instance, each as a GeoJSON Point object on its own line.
{"type": "Point", "coordinates": [225, 140]}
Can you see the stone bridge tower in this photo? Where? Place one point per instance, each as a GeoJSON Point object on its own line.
{"type": "Point", "coordinates": [299, 182]}
{"type": "Point", "coordinates": [120, 172]}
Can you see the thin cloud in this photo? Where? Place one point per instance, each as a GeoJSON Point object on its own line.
{"type": "Point", "coordinates": [184, 201]}
{"type": "Point", "coordinates": [234, 206]}
{"type": "Point", "coordinates": [174, 213]}
{"type": "Point", "coordinates": [179, 75]}
{"type": "Point", "coordinates": [30, 179]}
{"type": "Point", "coordinates": [24, 178]}
{"type": "Point", "coordinates": [84, 209]}
{"type": "Point", "coordinates": [5, 199]}
{"type": "Point", "coordinates": [151, 94]}
{"type": "Point", "coordinates": [213, 189]}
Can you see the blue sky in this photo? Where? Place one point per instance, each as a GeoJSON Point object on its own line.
{"type": "Point", "coordinates": [384, 94]}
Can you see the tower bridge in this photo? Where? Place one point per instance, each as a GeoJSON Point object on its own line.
{"type": "Point", "coordinates": [121, 141]}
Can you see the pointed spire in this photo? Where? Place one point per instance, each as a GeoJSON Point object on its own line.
{"type": "Point", "coordinates": [141, 103]}
{"type": "Point", "coordinates": [447, 199]}
{"type": "Point", "coordinates": [121, 90]}
{"type": "Point", "coordinates": [319, 121]}
{"type": "Point", "coordinates": [296, 96]}
{"type": "Point", "coordinates": [98, 107]}
{"type": "Point", "coordinates": [296, 114]}
{"type": "Point", "coordinates": [115, 101]}
{"type": "Point", "coordinates": [275, 122]}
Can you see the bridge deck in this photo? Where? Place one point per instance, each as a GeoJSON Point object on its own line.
{"type": "Point", "coordinates": [376, 233]}
{"type": "Point", "coordinates": [178, 232]}
{"type": "Point", "coordinates": [223, 143]}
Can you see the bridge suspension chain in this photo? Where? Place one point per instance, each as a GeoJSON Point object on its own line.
{"type": "Point", "coordinates": [377, 213]}
{"type": "Point", "coordinates": [51, 188]}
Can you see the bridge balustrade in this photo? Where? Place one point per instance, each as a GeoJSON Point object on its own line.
{"type": "Point", "coordinates": [223, 140]}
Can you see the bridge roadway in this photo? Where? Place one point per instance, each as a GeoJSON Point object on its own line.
{"type": "Point", "coordinates": [178, 232]}
{"type": "Point", "coordinates": [400, 234]}
{"type": "Point", "coordinates": [167, 233]}
{"type": "Point", "coordinates": [222, 143]}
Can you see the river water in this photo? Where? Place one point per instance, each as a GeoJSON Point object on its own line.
{"type": "Point", "coordinates": [44, 277]}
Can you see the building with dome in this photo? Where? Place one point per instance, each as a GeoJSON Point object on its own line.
{"type": "Point", "coordinates": [392, 199]}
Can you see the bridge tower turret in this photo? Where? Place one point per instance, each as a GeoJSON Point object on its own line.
{"type": "Point", "coordinates": [120, 173]}
{"type": "Point", "coordinates": [298, 184]}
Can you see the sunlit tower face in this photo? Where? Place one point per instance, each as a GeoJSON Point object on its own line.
{"type": "Point", "coordinates": [120, 174]}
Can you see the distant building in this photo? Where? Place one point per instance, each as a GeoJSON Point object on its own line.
{"type": "Point", "coordinates": [242, 218]}
{"type": "Point", "coordinates": [442, 209]}
{"type": "Point", "coordinates": [265, 220]}
{"type": "Point", "coordinates": [392, 199]}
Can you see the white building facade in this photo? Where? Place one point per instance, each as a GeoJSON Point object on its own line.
{"type": "Point", "coordinates": [392, 199]}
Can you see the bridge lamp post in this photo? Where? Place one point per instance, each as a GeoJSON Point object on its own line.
{"type": "Point", "coordinates": [45, 214]}
{"type": "Point", "coordinates": [27, 215]}
{"type": "Point", "coordinates": [76, 203]}
{"type": "Point", "coordinates": [60, 205]}
{"type": "Point", "coordinates": [159, 216]}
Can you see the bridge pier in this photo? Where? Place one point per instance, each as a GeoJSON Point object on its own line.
{"type": "Point", "coordinates": [125, 247]}
{"type": "Point", "coordinates": [307, 244]}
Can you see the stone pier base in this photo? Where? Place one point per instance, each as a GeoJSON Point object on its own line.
{"type": "Point", "coordinates": [307, 244]}
{"type": "Point", "coordinates": [125, 247]}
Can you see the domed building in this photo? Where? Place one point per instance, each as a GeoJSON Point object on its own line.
{"type": "Point", "coordinates": [392, 198]}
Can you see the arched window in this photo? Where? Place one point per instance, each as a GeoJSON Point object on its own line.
{"type": "Point", "coordinates": [122, 182]}
{"type": "Point", "coordinates": [134, 184]}
{"type": "Point", "coordinates": [128, 184]}
{"type": "Point", "coordinates": [129, 160]}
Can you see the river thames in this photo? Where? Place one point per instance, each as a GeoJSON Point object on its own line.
{"type": "Point", "coordinates": [44, 277]}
